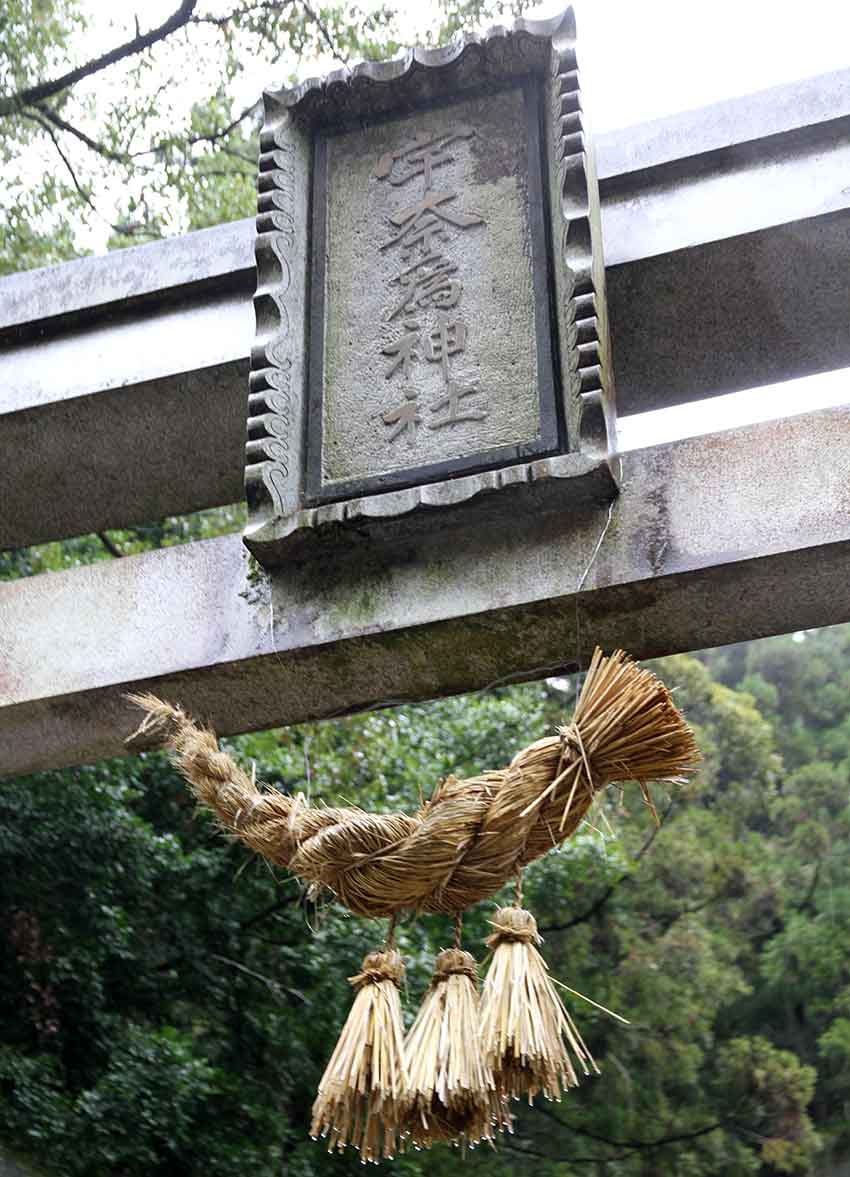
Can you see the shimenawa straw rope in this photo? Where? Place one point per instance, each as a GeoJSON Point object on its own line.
{"type": "Point", "coordinates": [462, 1059]}
{"type": "Point", "coordinates": [474, 834]}
{"type": "Point", "coordinates": [365, 1089]}
{"type": "Point", "coordinates": [529, 1041]}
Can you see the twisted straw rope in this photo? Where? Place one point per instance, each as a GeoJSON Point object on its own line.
{"type": "Point", "coordinates": [474, 834]}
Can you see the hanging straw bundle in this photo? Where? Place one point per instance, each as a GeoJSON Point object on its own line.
{"type": "Point", "coordinates": [453, 1093]}
{"type": "Point", "coordinates": [452, 1078]}
{"type": "Point", "coordinates": [528, 1038]}
{"type": "Point", "coordinates": [364, 1090]}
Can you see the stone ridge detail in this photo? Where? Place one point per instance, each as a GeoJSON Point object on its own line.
{"type": "Point", "coordinates": [580, 279]}
{"type": "Point", "coordinates": [419, 74]}
{"type": "Point", "coordinates": [270, 383]}
{"type": "Point", "coordinates": [275, 396]}
{"type": "Point", "coordinates": [565, 479]}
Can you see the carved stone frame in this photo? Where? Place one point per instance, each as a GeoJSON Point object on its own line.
{"type": "Point", "coordinates": [282, 521]}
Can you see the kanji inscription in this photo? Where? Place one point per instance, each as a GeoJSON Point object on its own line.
{"type": "Point", "coordinates": [431, 284]}
{"type": "Point", "coordinates": [430, 351]}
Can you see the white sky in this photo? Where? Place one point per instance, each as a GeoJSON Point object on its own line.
{"type": "Point", "coordinates": [642, 59]}
{"type": "Point", "coordinates": [767, 403]}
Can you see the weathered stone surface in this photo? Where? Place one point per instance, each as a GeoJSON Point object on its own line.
{"type": "Point", "coordinates": [718, 539]}
{"type": "Point", "coordinates": [149, 422]}
{"type": "Point", "coordinates": [727, 193]}
{"type": "Point", "coordinates": [396, 339]}
{"type": "Point", "coordinates": [55, 297]}
{"type": "Point", "coordinates": [736, 313]}
{"type": "Point", "coordinates": [797, 106]}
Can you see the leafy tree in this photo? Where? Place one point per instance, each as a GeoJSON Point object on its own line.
{"type": "Point", "coordinates": [126, 134]}
{"type": "Point", "coordinates": [150, 967]}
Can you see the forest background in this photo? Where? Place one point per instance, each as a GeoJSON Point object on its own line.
{"type": "Point", "coordinates": [166, 1004]}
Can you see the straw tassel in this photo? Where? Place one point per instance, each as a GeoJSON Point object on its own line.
{"type": "Point", "coordinates": [454, 1096]}
{"type": "Point", "coordinates": [528, 1038]}
{"type": "Point", "coordinates": [364, 1090]}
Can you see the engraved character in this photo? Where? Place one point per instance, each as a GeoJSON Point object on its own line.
{"type": "Point", "coordinates": [446, 339]}
{"type": "Point", "coordinates": [420, 157]}
{"type": "Point", "coordinates": [451, 402]}
{"type": "Point", "coordinates": [427, 283]}
{"type": "Point", "coordinates": [404, 418]}
{"type": "Point", "coordinates": [404, 350]}
{"type": "Point", "coordinates": [410, 220]}
{"type": "Point", "coordinates": [425, 235]}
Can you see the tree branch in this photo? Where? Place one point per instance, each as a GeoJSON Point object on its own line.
{"type": "Point", "coordinates": [323, 29]}
{"type": "Point", "coordinates": [271, 909]}
{"type": "Point", "coordinates": [250, 922]}
{"type": "Point", "coordinates": [250, 160]}
{"type": "Point", "coordinates": [69, 167]}
{"type": "Point", "coordinates": [631, 1145]}
{"type": "Point", "coordinates": [110, 544]}
{"type": "Point", "coordinates": [224, 174]}
{"type": "Point", "coordinates": [84, 195]}
{"type": "Point", "coordinates": [807, 903]}
{"type": "Point", "coordinates": [138, 44]}
{"type": "Point", "coordinates": [214, 136]}
{"type": "Point", "coordinates": [666, 922]}
{"type": "Point", "coordinates": [513, 1145]}
{"type": "Point", "coordinates": [589, 912]}
{"type": "Point", "coordinates": [47, 113]}
{"type": "Point", "coordinates": [599, 903]}
{"type": "Point", "coordinates": [221, 22]}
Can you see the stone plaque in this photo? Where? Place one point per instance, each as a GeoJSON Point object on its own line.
{"type": "Point", "coordinates": [430, 343]}
{"type": "Point", "coordinates": [431, 324]}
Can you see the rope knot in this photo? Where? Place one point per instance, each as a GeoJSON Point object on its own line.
{"type": "Point", "coordinates": [453, 962]}
{"type": "Point", "coordinates": [570, 739]}
{"type": "Point", "coordinates": [513, 924]}
{"type": "Point", "coordinates": [377, 967]}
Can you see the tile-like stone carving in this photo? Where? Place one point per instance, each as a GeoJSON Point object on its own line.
{"type": "Point", "coordinates": [431, 325]}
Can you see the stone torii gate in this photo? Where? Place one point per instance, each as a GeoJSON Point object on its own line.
{"type": "Point", "coordinates": [727, 250]}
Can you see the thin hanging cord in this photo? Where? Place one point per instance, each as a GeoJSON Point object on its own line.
{"type": "Point", "coordinates": [519, 888]}
{"type": "Point", "coordinates": [389, 943]}
{"type": "Point", "coordinates": [583, 578]}
{"type": "Point", "coordinates": [458, 928]}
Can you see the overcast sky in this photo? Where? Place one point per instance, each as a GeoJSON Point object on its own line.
{"type": "Point", "coordinates": [650, 58]}
{"type": "Point", "coordinates": [641, 59]}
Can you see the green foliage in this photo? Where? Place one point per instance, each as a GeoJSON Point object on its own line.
{"type": "Point", "coordinates": [165, 139]}
{"type": "Point", "coordinates": [155, 976]}
{"type": "Point", "coordinates": [126, 541]}
{"type": "Point", "coordinates": [767, 1088]}
{"type": "Point", "coordinates": [34, 36]}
